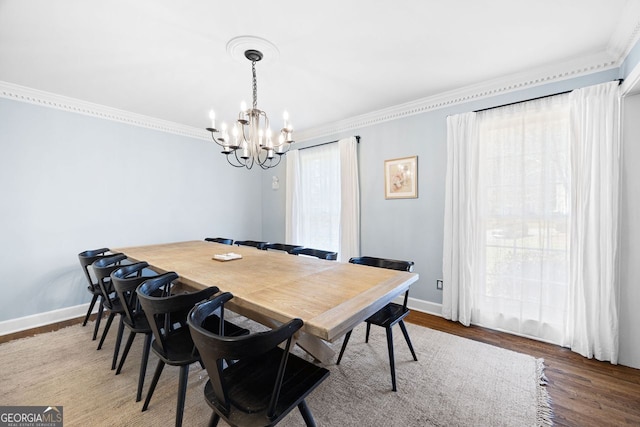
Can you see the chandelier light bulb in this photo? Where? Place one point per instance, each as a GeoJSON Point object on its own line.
{"type": "Point", "coordinates": [212, 116]}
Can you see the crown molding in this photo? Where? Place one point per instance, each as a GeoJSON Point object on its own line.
{"type": "Point", "coordinates": [627, 32]}
{"type": "Point", "coordinates": [60, 102]}
{"type": "Point", "coordinates": [541, 76]}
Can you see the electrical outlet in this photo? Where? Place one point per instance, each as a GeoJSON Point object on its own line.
{"type": "Point", "coordinates": [439, 284]}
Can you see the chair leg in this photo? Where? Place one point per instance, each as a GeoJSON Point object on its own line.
{"type": "Point", "coordinates": [91, 305]}
{"type": "Point", "coordinates": [213, 421]}
{"type": "Point", "coordinates": [392, 362]}
{"type": "Point", "coordinates": [182, 393]}
{"type": "Point", "coordinates": [406, 337]}
{"type": "Point", "coordinates": [154, 382]}
{"type": "Point", "coordinates": [306, 414]}
{"type": "Point", "coordinates": [106, 329]}
{"type": "Point", "coordinates": [125, 352]}
{"type": "Point", "coordinates": [116, 349]}
{"type": "Point", "coordinates": [344, 345]}
{"type": "Point", "coordinates": [143, 365]}
{"type": "Point", "coordinates": [366, 338]}
{"type": "Point", "coordinates": [98, 319]}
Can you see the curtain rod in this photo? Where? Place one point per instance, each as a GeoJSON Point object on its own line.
{"type": "Point", "coordinates": [533, 99]}
{"type": "Point", "coordinates": [330, 142]}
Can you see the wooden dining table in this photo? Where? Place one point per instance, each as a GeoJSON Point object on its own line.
{"type": "Point", "coordinates": [273, 287]}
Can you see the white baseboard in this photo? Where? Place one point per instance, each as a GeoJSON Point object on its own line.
{"type": "Point", "coordinates": [41, 319]}
{"type": "Point", "coordinates": [425, 306]}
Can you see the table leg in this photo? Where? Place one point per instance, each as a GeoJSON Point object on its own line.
{"type": "Point", "coordinates": [314, 346]}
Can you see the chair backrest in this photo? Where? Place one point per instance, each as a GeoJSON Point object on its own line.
{"type": "Point", "coordinates": [281, 247]}
{"type": "Point", "coordinates": [331, 256]}
{"type": "Point", "coordinates": [89, 257]}
{"type": "Point", "coordinates": [125, 281]}
{"type": "Point", "coordinates": [254, 243]}
{"type": "Point", "coordinates": [392, 264]}
{"type": "Point", "coordinates": [214, 348]}
{"type": "Point", "coordinates": [222, 240]}
{"type": "Point", "coordinates": [166, 313]}
{"type": "Point", "coordinates": [103, 268]}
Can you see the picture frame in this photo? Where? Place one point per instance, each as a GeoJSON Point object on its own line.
{"type": "Point", "coordinates": [401, 178]}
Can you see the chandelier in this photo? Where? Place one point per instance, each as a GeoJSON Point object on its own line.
{"type": "Point", "coordinates": [250, 140]}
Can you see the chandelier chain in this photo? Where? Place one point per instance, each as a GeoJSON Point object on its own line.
{"type": "Point", "coordinates": [255, 85]}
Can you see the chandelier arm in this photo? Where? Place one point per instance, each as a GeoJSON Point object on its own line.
{"type": "Point", "coordinates": [213, 136]}
{"type": "Point", "coordinates": [235, 166]}
{"type": "Point", "coordinates": [244, 137]}
{"type": "Point", "coordinates": [287, 146]}
{"type": "Point", "coordinates": [247, 163]}
{"type": "Point", "coordinates": [271, 164]}
{"type": "Point", "coordinates": [262, 156]}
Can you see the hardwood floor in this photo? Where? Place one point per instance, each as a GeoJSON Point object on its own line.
{"type": "Point", "coordinates": [584, 392]}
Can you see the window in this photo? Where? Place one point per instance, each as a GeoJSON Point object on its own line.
{"type": "Point", "coordinates": [524, 192]}
{"type": "Point", "coordinates": [531, 219]}
{"type": "Point", "coordinates": [319, 207]}
{"type": "Point", "coordinates": [323, 198]}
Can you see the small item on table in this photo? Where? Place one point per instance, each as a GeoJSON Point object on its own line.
{"type": "Point", "coordinates": [227, 257]}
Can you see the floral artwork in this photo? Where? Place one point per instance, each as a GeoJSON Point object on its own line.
{"type": "Point", "coordinates": [401, 178]}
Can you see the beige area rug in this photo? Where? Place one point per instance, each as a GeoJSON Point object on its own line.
{"type": "Point", "coordinates": [456, 382]}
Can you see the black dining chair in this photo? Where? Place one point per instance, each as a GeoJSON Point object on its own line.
{"type": "Point", "coordinates": [264, 383]}
{"type": "Point", "coordinates": [388, 315]}
{"type": "Point", "coordinates": [103, 268]}
{"type": "Point", "coordinates": [222, 240]}
{"type": "Point", "coordinates": [281, 247]}
{"type": "Point", "coordinates": [254, 243]}
{"type": "Point", "coordinates": [318, 253]}
{"type": "Point", "coordinates": [125, 281]}
{"type": "Point", "coordinates": [86, 259]}
{"type": "Point", "coordinates": [172, 343]}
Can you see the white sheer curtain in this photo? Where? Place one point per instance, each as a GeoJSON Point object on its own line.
{"type": "Point", "coordinates": [323, 200]}
{"type": "Point", "coordinates": [460, 225]}
{"type": "Point", "coordinates": [349, 199]}
{"type": "Point", "coordinates": [592, 327]}
{"type": "Point", "coordinates": [293, 197]}
{"type": "Point", "coordinates": [531, 219]}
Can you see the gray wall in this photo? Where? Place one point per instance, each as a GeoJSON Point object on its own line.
{"type": "Point", "coordinates": [72, 182]}
{"type": "Point", "coordinates": [630, 235]}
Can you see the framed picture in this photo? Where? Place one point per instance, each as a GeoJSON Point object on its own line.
{"type": "Point", "coordinates": [401, 178]}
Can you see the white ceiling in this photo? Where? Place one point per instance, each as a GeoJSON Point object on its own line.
{"type": "Point", "coordinates": [337, 59]}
